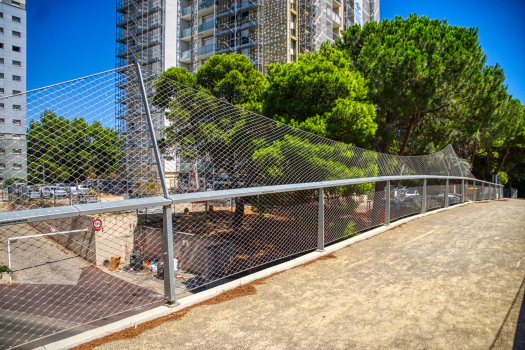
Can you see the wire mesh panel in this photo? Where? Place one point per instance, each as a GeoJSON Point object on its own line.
{"type": "Point", "coordinates": [62, 145]}
{"type": "Point", "coordinates": [435, 194]}
{"type": "Point", "coordinates": [89, 141]}
{"type": "Point", "coordinates": [68, 277]}
{"type": "Point", "coordinates": [218, 239]}
{"type": "Point", "coordinates": [211, 144]}
{"type": "Point", "coordinates": [469, 191]}
{"type": "Point", "coordinates": [349, 210]}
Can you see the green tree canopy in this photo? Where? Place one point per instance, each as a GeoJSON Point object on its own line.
{"type": "Point", "coordinates": [321, 94]}
{"type": "Point", "coordinates": [61, 149]}
{"type": "Point", "coordinates": [416, 68]}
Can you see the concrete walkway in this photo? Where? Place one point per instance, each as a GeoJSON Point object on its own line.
{"type": "Point", "coordinates": [445, 281]}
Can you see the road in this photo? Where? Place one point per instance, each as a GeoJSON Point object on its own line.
{"type": "Point", "coordinates": [445, 281]}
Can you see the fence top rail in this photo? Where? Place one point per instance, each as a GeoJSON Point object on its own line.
{"type": "Point", "coordinates": [33, 215]}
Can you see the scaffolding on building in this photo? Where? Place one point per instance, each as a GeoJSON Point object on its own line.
{"type": "Point", "coordinates": [140, 38]}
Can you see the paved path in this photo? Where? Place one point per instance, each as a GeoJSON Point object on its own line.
{"type": "Point", "coordinates": [445, 281]}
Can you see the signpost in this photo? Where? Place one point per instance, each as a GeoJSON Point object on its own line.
{"type": "Point", "coordinates": [97, 224]}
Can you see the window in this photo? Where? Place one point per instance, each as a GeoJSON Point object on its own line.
{"type": "Point", "coordinates": [17, 166]}
{"type": "Point", "coordinates": [17, 136]}
{"type": "Point", "coordinates": [1, 61]}
{"type": "Point", "coordinates": [17, 107]}
{"type": "Point", "coordinates": [17, 63]}
{"type": "Point", "coordinates": [1, 106]}
{"type": "Point", "coordinates": [2, 136]}
{"type": "Point", "coordinates": [17, 151]}
{"type": "Point", "coordinates": [244, 37]}
{"type": "Point", "coordinates": [232, 19]}
{"type": "Point", "coordinates": [2, 121]}
{"type": "Point", "coordinates": [244, 15]}
{"type": "Point", "coordinates": [17, 48]}
{"type": "Point", "coordinates": [2, 150]}
{"type": "Point", "coordinates": [1, 90]}
{"type": "Point", "coordinates": [17, 34]}
{"type": "Point", "coordinates": [232, 39]}
{"type": "Point", "coordinates": [2, 166]}
{"type": "Point", "coordinates": [15, 3]}
{"type": "Point", "coordinates": [17, 122]}
{"type": "Point", "coordinates": [1, 75]}
{"type": "Point", "coordinates": [17, 78]}
{"type": "Point", "coordinates": [1, 15]}
{"type": "Point", "coordinates": [16, 92]}
{"type": "Point", "coordinates": [16, 19]}
{"type": "Point", "coordinates": [1, 30]}
{"type": "Point", "coordinates": [1, 45]}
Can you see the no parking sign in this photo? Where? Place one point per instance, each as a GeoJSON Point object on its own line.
{"type": "Point", "coordinates": [97, 224]}
{"type": "Point", "coordinates": [53, 230]}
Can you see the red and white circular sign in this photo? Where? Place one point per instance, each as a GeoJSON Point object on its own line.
{"type": "Point", "coordinates": [53, 230]}
{"type": "Point", "coordinates": [97, 224]}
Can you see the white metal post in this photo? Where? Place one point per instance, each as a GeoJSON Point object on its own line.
{"type": "Point", "coordinates": [462, 191]}
{"type": "Point", "coordinates": [482, 191]}
{"type": "Point", "coordinates": [169, 268]}
{"type": "Point", "coordinates": [387, 204]}
{"type": "Point", "coordinates": [424, 199]}
{"type": "Point", "coordinates": [320, 222]}
{"type": "Point", "coordinates": [9, 258]}
{"type": "Point", "coordinates": [490, 194]}
{"type": "Point", "coordinates": [474, 192]}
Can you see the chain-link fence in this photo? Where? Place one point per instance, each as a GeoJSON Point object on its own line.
{"type": "Point", "coordinates": [90, 216]}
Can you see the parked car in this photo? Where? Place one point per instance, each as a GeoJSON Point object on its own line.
{"type": "Point", "coordinates": [83, 188]}
{"type": "Point", "coordinates": [31, 193]}
{"type": "Point", "coordinates": [397, 204]}
{"type": "Point", "coordinates": [53, 191]}
{"type": "Point", "coordinates": [411, 193]}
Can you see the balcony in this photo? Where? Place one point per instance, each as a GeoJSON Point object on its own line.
{"type": "Point", "coordinates": [201, 28]}
{"type": "Point", "coordinates": [202, 5]}
{"type": "Point", "coordinates": [203, 50]}
{"type": "Point", "coordinates": [227, 10]}
{"type": "Point", "coordinates": [334, 17]}
{"type": "Point", "coordinates": [242, 23]}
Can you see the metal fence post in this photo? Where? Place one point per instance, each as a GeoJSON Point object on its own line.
{"type": "Point", "coordinates": [474, 192]}
{"type": "Point", "coordinates": [490, 194]}
{"type": "Point", "coordinates": [462, 191]}
{"type": "Point", "coordinates": [424, 198]}
{"type": "Point", "coordinates": [167, 237]}
{"type": "Point", "coordinates": [320, 222]}
{"type": "Point", "coordinates": [482, 191]}
{"type": "Point", "coordinates": [446, 194]}
{"type": "Point", "coordinates": [387, 203]}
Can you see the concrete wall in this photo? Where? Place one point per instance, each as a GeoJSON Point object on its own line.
{"type": "Point", "coordinates": [115, 238]}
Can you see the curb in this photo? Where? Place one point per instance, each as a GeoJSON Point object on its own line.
{"type": "Point", "coordinates": [197, 298]}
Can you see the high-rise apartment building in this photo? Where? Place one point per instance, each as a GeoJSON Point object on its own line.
{"type": "Point", "coordinates": [184, 33]}
{"type": "Point", "coordinates": [13, 144]}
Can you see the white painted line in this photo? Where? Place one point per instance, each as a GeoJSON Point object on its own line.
{"type": "Point", "coordinates": [197, 298]}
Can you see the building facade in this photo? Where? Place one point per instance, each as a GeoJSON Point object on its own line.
{"type": "Point", "coordinates": [13, 144]}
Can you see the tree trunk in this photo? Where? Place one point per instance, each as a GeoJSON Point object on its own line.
{"type": "Point", "coordinates": [239, 212]}
{"type": "Point", "coordinates": [474, 151]}
{"type": "Point", "coordinates": [413, 122]}
{"type": "Point", "coordinates": [503, 161]}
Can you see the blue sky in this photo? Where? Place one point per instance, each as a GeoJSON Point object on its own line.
{"type": "Point", "coordinates": [68, 39]}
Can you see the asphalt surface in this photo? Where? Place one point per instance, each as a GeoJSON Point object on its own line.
{"type": "Point", "coordinates": [446, 281]}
